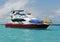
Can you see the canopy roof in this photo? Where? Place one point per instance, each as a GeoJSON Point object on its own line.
{"type": "Point", "coordinates": [17, 10]}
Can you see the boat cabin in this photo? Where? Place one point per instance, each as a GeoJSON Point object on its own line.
{"type": "Point", "coordinates": [17, 16]}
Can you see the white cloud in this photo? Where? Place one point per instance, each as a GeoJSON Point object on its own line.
{"type": "Point", "coordinates": [13, 5]}
{"type": "Point", "coordinates": [57, 11]}
{"type": "Point", "coordinates": [10, 5]}
{"type": "Point", "coordinates": [21, 4]}
{"type": "Point", "coordinates": [35, 12]}
{"type": "Point", "coordinates": [55, 16]}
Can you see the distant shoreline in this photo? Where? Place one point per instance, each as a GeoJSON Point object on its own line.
{"type": "Point", "coordinates": [54, 24]}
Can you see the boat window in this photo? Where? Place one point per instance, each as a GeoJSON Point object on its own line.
{"type": "Point", "coordinates": [25, 17]}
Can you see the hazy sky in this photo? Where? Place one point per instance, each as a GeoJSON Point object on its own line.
{"type": "Point", "coordinates": [49, 9]}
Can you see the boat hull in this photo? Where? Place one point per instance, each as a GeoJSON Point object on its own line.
{"type": "Point", "coordinates": [38, 26]}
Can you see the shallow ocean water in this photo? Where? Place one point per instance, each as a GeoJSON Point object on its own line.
{"type": "Point", "coordinates": [51, 34]}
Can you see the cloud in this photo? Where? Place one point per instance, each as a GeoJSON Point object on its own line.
{"type": "Point", "coordinates": [10, 5]}
{"type": "Point", "coordinates": [57, 10]}
{"type": "Point", "coordinates": [15, 4]}
{"type": "Point", "coordinates": [55, 16]}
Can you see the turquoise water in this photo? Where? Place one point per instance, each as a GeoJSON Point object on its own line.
{"type": "Point", "coordinates": [52, 34]}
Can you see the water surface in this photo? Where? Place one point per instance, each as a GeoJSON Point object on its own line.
{"type": "Point", "coordinates": [51, 34]}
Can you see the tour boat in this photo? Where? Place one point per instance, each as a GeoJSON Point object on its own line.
{"type": "Point", "coordinates": [22, 20]}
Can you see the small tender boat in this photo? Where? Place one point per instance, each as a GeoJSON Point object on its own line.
{"type": "Point", "coordinates": [21, 20]}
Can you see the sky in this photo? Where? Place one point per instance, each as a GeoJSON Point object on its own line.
{"type": "Point", "coordinates": [41, 9]}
